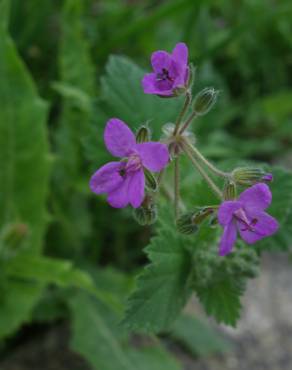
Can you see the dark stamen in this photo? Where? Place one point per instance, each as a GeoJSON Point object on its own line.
{"type": "Point", "coordinates": [163, 76]}
{"type": "Point", "coordinates": [122, 172]}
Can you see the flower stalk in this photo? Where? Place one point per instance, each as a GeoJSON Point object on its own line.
{"type": "Point", "coordinates": [202, 172]}
{"type": "Point", "coordinates": [188, 99]}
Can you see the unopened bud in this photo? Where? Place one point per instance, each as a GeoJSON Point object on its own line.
{"type": "Point", "coordinates": [13, 236]}
{"type": "Point", "coordinates": [205, 100]}
{"type": "Point", "coordinates": [143, 134]}
{"type": "Point", "coordinates": [229, 192]}
{"type": "Point", "coordinates": [191, 75]}
{"type": "Point", "coordinates": [189, 222]}
{"type": "Point", "coordinates": [185, 224]}
{"type": "Point", "coordinates": [151, 181]}
{"type": "Point", "coordinates": [146, 214]}
{"type": "Point", "coordinates": [250, 176]}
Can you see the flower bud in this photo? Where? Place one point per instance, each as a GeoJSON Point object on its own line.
{"type": "Point", "coordinates": [143, 134]}
{"type": "Point", "coordinates": [188, 223]}
{"type": "Point", "coordinates": [185, 224]}
{"type": "Point", "coordinates": [229, 192]}
{"type": "Point", "coordinates": [12, 237]}
{"type": "Point", "coordinates": [151, 181]}
{"type": "Point", "coordinates": [146, 214]}
{"type": "Point", "coordinates": [205, 100]}
{"type": "Point", "coordinates": [250, 176]}
{"type": "Point", "coordinates": [191, 75]}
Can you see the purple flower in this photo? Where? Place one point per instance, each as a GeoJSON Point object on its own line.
{"type": "Point", "coordinates": [124, 181]}
{"type": "Point", "coordinates": [246, 215]}
{"type": "Point", "coordinates": [170, 71]}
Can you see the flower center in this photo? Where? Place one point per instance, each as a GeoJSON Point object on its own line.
{"type": "Point", "coordinates": [134, 163]}
{"type": "Point", "coordinates": [163, 76]}
{"type": "Point", "coordinates": [240, 216]}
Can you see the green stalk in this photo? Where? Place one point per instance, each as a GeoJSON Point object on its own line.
{"type": "Point", "coordinates": [187, 122]}
{"type": "Point", "coordinates": [176, 187]}
{"type": "Point", "coordinates": [199, 156]}
{"type": "Point", "coordinates": [187, 102]}
{"type": "Point", "coordinates": [206, 177]}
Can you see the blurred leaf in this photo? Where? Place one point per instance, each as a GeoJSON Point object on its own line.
{"type": "Point", "coordinates": [24, 154]}
{"type": "Point", "coordinates": [62, 273]}
{"type": "Point", "coordinates": [154, 358]}
{"type": "Point", "coordinates": [278, 106]}
{"type": "Point", "coordinates": [72, 219]}
{"type": "Point", "coordinates": [163, 287]}
{"type": "Point", "coordinates": [4, 13]}
{"type": "Point", "coordinates": [97, 336]}
{"type": "Point", "coordinates": [16, 304]}
{"type": "Point", "coordinates": [24, 172]}
{"type": "Point", "coordinates": [73, 94]}
{"type": "Point", "coordinates": [197, 336]}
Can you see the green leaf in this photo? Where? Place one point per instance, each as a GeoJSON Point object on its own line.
{"type": "Point", "coordinates": [48, 270]}
{"type": "Point", "coordinates": [93, 338]}
{"type": "Point", "coordinates": [197, 336]}
{"type": "Point", "coordinates": [4, 13]}
{"type": "Point", "coordinates": [77, 89]}
{"type": "Point", "coordinates": [154, 358]}
{"type": "Point", "coordinates": [100, 340]}
{"type": "Point", "coordinates": [221, 299]}
{"type": "Point", "coordinates": [123, 97]}
{"type": "Point", "coordinates": [24, 172]}
{"type": "Point", "coordinates": [44, 270]}
{"type": "Point", "coordinates": [163, 287]}
{"type": "Point", "coordinates": [24, 154]}
{"type": "Point", "coordinates": [16, 304]}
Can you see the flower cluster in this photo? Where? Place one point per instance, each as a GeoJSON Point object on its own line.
{"type": "Point", "coordinates": [126, 181]}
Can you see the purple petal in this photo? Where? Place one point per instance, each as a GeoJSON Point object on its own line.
{"type": "Point", "coordinates": [150, 86]}
{"type": "Point", "coordinates": [118, 138]}
{"type": "Point", "coordinates": [226, 210]}
{"type": "Point", "coordinates": [119, 197]}
{"type": "Point", "coordinates": [136, 188]}
{"type": "Point", "coordinates": [228, 239]}
{"type": "Point", "coordinates": [268, 177]}
{"type": "Point", "coordinates": [160, 59]}
{"type": "Point", "coordinates": [261, 225]}
{"type": "Point", "coordinates": [107, 178]}
{"type": "Point", "coordinates": [154, 156]}
{"type": "Point", "coordinates": [180, 54]}
{"type": "Point", "coordinates": [258, 197]}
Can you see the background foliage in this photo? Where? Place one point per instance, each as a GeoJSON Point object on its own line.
{"type": "Point", "coordinates": [65, 68]}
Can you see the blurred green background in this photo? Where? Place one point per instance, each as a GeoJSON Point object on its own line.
{"type": "Point", "coordinates": [65, 68]}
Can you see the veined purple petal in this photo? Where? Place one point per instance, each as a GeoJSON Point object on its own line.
{"type": "Point", "coordinates": [118, 138]}
{"type": "Point", "coordinates": [160, 59]}
{"type": "Point", "coordinates": [119, 197]}
{"type": "Point", "coordinates": [261, 225]}
{"type": "Point", "coordinates": [228, 239]}
{"type": "Point", "coordinates": [258, 197]}
{"type": "Point", "coordinates": [136, 188]}
{"type": "Point", "coordinates": [180, 55]}
{"type": "Point", "coordinates": [107, 178]}
{"type": "Point", "coordinates": [154, 156]}
{"type": "Point", "coordinates": [149, 85]}
{"type": "Point", "coordinates": [226, 210]}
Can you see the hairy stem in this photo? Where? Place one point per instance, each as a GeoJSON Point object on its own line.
{"type": "Point", "coordinates": [187, 102]}
{"type": "Point", "coordinates": [208, 164]}
{"type": "Point", "coordinates": [176, 187]}
{"type": "Point", "coordinates": [187, 122]}
{"type": "Point", "coordinates": [206, 177]}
